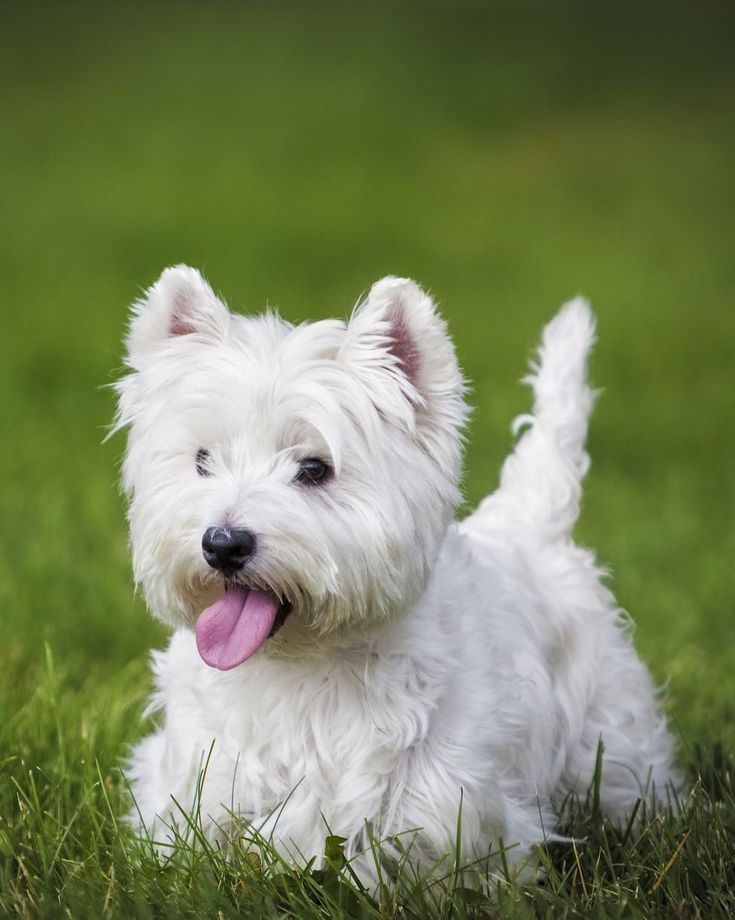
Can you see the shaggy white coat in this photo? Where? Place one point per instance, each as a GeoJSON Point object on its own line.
{"type": "Point", "coordinates": [427, 661]}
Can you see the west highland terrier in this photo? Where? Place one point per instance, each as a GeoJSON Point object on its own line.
{"type": "Point", "coordinates": [347, 658]}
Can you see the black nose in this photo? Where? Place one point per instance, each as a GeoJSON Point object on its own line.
{"type": "Point", "coordinates": [227, 549]}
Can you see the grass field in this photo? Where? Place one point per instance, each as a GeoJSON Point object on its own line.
{"type": "Point", "coordinates": [508, 157]}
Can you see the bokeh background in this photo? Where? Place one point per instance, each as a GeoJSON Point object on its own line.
{"type": "Point", "coordinates": [507, 155]}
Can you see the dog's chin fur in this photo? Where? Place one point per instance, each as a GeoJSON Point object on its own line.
{"type": "Point", "coordinates": [425, 663]}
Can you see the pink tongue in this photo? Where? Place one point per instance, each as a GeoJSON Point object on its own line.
{"type": "Point", "coordinates": [235, 627]}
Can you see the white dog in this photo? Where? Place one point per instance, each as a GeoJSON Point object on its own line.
{"type": "Point", "coordinates": [347, 658]}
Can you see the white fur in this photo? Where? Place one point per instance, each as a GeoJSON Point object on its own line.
{"type": "Point", "coordinates": [426, 661]}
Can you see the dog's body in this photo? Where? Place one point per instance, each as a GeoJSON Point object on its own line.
{"type": "Point", "coordinates": [424, 663]}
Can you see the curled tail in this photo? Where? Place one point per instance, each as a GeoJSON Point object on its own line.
{"type": "Point", "coordinates": [541, 481]}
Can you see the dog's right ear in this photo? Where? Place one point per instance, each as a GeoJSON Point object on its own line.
{"type": "Point", "coordinates": [180, 303]}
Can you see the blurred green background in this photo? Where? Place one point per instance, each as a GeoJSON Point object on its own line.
{"type": "Point", "coordinates": [508, 156]}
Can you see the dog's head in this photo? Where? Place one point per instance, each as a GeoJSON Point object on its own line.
{"type": "Point", "coordinates": [273, 469]}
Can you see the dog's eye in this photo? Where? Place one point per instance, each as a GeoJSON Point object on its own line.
{"type": "Point", "coordinates": [313, 472]}
{"type": "Point", "coordinates": [202, 461]}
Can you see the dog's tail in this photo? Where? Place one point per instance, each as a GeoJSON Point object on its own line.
{"type": "Point", "coordinates": [541, 481]}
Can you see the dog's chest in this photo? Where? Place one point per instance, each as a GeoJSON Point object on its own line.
{"type": "Point", "coordinates": [328, 735]}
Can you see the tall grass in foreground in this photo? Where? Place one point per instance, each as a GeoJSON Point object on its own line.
{"type": "Point", "coordinates": [65, 852]}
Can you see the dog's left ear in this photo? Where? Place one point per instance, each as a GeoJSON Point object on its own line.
{"type": "Point", "coordinates": [398, 343]}
{"type": "Point", "coordinates": [180, 303]}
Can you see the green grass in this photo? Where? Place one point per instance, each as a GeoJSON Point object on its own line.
{"type": "Point", "coordinates": [508, 157]}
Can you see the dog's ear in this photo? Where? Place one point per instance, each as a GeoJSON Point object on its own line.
{"type": "Point", "coordinates": [396, 336]}
{"type": "Point", "coordinates": [180, 303]}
